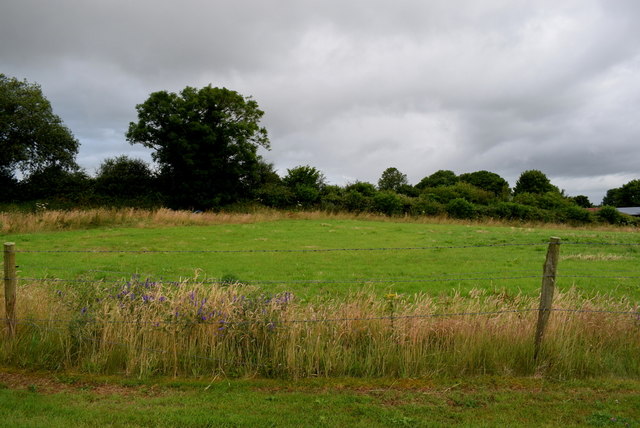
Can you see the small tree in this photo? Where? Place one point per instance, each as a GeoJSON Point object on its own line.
{"type": "Point", "coordinates": [124, 178]}
{"type": "Point", "coordinates": [392, 180]}
{"type": "Point", "coordinates": [582, 201]}
{"type": "Point", "coordinates": [305, 183]}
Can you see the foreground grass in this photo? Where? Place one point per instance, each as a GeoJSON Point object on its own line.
{"type": "Point", "coordinates": [182, 329]}
{"type": "Point", "coordinates": [65, 400]}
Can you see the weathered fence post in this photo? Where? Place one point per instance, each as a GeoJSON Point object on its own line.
{"type": "Point", "coordinates": [546, 293]}
{"type": "Point", "coordinates": [10, 283]}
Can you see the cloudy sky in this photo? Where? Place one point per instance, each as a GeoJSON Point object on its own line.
{"type": "Point", "coordinates": [355, 86]}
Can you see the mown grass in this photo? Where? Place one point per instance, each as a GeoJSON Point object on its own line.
{"type": "Point", "coordinates": [479, 401]}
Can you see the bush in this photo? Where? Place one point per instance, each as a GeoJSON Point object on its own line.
{"type": "Point", "coordinates": [461, 208]}
{"type": "Point", "coordinates": [356, 202]}
{"type": "Point", "coordinates": [610, 215]}
{"type": "Point", "coordinates": [331, 199]}
{"type": "Point", "coordinates": [54, 183]}
{"type": "Point", "coordinates": [426, 206]}
{"type": "Point", "coordinates": [274, 195]}
{"type": "Point", "coordinates": [575, 214]}
{"type": "Point", "coordinates": [388, 203]}
{"type": "Point", "coordinates": [545, 201]}
{"type": "Point", "coordinates": [364, 188]}
{"type": "Point", "coordinates": [514, 211]}
{"type": "Point", "coordinates": [124, 178]}
{"type": "Point", "coordinates": [460, 190]}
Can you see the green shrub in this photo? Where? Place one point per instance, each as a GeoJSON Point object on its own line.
{"type": "Point", "coordinates": [426, 206]}
{"type": "Point", "coordinates": [461, 208]}
{"type": "Point", "coordinates": [364, 188]}
{"type": "Point", "coordinates": [460, 190]}
{"type": "Point", "coordinates": [356, 202]}
{"type": "Point", "coordinates": [274, 195]}
{"type": "Point", "coordinates": [610, 215]}
{"type": "Point", "coordinates": [388, 203]}
{"type": "Point", "coordinates": [575, 214]}
{"type": "Point", "coordinates": [545, 201]}
{"type": "Point", "coordinates": [514, 211]}
{"type": "Point", "coordinates": [331, 199]}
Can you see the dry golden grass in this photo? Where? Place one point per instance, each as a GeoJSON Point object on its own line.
{"type": "Point", "coordinates": [202, 329]}
{"type": "Point", "coordinates": [596, 257]}
{"type": "Point", "coordinates": [53, 220]}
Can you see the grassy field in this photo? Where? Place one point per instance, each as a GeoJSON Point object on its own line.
{"type": "Point", "coordinates": [455, 257]}
{"type": "Point", "coordinates": [61, 401]}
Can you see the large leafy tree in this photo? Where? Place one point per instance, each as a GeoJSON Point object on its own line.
{"type": "Point", "coordinates": [32, 137]}
{"type": "Point", "coordinates": [205, 143]}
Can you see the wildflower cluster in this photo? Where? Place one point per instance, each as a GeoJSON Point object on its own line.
{"type": "Point", "coordinates": [181, 304]}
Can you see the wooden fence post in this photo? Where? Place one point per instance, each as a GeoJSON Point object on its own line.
{"type": "Point", "coordinates": [10, 283]}
{"type": "Point", "coordinates": [546, 293]}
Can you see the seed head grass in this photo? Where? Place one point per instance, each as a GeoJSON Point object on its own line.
{"type": "Point", "coordinates": [45, 220]}
{"type": "Point", "coordinates": [142, 328]}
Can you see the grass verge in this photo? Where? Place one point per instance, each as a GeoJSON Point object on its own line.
{"type": "Point", "coordinates": [30, 400]}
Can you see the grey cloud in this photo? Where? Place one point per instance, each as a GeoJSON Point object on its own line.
{"type": "Point", "coordinates": [354, 87]}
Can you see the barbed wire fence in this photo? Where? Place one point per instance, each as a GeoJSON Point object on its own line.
{"type": "Point", "coordinates": [544, 310]}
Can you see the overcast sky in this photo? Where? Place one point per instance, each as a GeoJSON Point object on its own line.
{"type": "Point", "coordinates": [353, 87]}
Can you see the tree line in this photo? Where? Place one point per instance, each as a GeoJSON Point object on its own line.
{"type": "Point", "coordinates": [205, 148]}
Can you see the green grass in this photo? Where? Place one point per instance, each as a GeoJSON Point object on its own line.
{"type": "Point", "coordinates": [485, 262]}
{"type": "Point", "coordinates": [479, 401]}
{"type": "Point", "coordinates": [561, 390]}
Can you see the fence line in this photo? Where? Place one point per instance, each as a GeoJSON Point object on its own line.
{"type": "Point", "coordinates": [321, 282]}
{"type": "Point", "coordinates": [622, 244]}
{"type": "Point", "coordinates": [302, 250]}
{"type": "Point", "coordinates": [323, 250]}
{"type": "Point", "coordinates": [275, 323]}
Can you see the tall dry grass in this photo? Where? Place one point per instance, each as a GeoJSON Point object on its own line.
{"type": "Point", "coordinates": [194, 329]}
{"type": "Point", "coordinates": [54, 220]}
